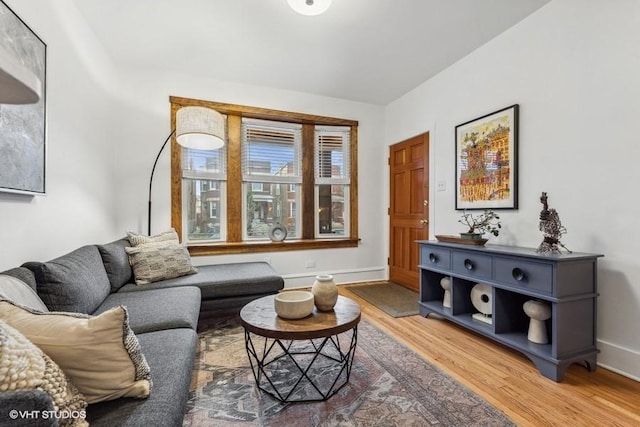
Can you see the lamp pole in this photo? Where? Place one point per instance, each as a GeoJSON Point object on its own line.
{"type": "Point", "coordinates": [151, 180]}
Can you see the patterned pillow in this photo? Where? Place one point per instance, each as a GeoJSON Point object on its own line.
{"type": "Point", "coordinates": [100, 354]}
{"type": "Point", "coordinates": [154, 262]}
{"type": "Point", "coordinates": [168, 237]}
{"type": "Point", "coordinates": [23, 366]}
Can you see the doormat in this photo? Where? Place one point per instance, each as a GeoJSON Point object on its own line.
{"type": "Point", "coordinates": [389, 386]}
{"type": "Point", "coordinates": [393, 299]}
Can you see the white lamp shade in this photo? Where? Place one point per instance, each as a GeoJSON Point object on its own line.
{"type": "Point", "coordinates": [310, 7]}
{"type": "Point", "coordinates": [18, 85]}
{"type": "Point", "coordinates": [200, 128]}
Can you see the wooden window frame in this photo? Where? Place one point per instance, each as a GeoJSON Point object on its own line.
{"type": "Point", "coordinates": [233, 216]}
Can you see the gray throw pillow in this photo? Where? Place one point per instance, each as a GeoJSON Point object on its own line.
{"type": "Point", "coordinates": [151, 263]}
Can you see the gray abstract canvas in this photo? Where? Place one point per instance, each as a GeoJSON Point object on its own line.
{"type": "Point", "coordinates": [22, 127]}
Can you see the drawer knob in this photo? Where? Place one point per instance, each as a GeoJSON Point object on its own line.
{"type": "Point", "coordinates": [518, 274]}
{"type": "Point", "coordinates": [468, 264]}
{"type": "Point", "coordinates": [433, 257]}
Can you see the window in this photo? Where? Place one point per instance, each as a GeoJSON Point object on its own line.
{"type": "Point", "coordinates": [203, 173]}
{"type": "Point", "coordinates": [294, 169]}
{"type": "Point", "coordinates": [332, 179]}
{"type": "Point", "coordinates": [271, 163]}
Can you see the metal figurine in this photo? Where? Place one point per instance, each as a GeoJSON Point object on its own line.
{"type": "Point", "coordinates": [552, 229]}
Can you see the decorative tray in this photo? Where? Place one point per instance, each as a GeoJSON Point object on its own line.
{"type": "Point", "coordinates": [456, 239]}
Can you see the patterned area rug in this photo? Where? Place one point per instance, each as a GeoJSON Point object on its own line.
{"type": "Point", "coordinates": [393, 299]}
{"type": "Point", "coordinates": [389, 386]}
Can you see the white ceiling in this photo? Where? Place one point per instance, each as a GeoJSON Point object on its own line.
{"type": "Point", "coordinates": [371, 51]}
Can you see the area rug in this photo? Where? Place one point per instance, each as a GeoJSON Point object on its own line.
{"type": "Point", "coordinates": [389, 386]}
{"type": "Point", "coordinates": [393, 299]}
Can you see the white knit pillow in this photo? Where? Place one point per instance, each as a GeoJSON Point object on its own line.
{"type": "Point", "coordinates": [23, 366]}
{"type": "Point", "coordinates": [168, 237]}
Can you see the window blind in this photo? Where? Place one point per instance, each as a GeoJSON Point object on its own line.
{"type": "Point", "coordinates": [271, 151]}
{"type": "Point", "coordinates": [204, 164]}
{"type": "Point", "coordinates": [332, 160]}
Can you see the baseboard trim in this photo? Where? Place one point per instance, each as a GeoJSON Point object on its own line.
{"type": "Point", "coordinates": [618, 359]}
{"type": "Point", "coordinates": [368, 274]}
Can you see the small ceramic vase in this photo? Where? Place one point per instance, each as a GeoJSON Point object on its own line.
{"type": "Point", "coordinates": [325, 292]}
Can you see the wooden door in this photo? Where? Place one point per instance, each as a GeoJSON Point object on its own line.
{"type": "Point", "coordinates": [409, 210]}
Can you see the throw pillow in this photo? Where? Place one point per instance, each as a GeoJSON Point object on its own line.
{"type": "Point", "coordinates": [151, 263]}
{"type": "Point", "coordinates": [100, 354]}
{"type": "Point", "coordinates": [169, 237]}
{"type": "Point", "coordinates": [16, 290]}
{"type": "Point", "coordinates": [23, 366]}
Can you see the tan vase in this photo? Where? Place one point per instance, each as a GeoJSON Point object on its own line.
{"type": "Point", "coordinates": [325, 292]}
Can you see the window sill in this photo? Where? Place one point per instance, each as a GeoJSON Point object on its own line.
{"type": "Point", "coordinates": [250, 247]}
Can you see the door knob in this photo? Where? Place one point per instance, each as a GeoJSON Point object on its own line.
{"type": "Point", "coordinates": [426, 203]}
{"type": "Point", "coordinates": [424, 221]}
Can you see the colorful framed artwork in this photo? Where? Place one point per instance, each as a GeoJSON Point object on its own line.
{"type": "Point", "coordinates": [23, 135]}
{"type": "Point", "coordinates": [487, 161]}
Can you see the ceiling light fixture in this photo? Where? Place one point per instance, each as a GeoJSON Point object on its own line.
{"type": "Point", "coordinates": [310, 7]}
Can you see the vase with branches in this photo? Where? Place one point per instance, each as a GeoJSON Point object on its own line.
{"type": "Point", "coordinates": [486, 222]}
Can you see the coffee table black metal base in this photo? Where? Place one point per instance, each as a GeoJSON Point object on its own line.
{"type": "Point", "coordinates": [301, 370]}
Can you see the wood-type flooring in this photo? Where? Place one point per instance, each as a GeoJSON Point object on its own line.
{"type": "Point", "coordinates": [508, 380]}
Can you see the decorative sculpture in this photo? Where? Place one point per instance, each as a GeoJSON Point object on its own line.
{"type": "Point", "coordinates": [552, 229]}
{"type": "Point", "coordinates": [445, 282]}
{"type": "Point", "coordinates": [481, 299]}
{"type": "Point", "coordinates": [538, 313]}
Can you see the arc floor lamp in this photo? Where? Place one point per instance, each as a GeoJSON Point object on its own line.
{"type": "Point", "coordinates": [197, 128]}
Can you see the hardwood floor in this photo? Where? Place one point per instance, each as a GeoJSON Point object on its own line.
{"type": "Point", "coordinates": [510, 381]}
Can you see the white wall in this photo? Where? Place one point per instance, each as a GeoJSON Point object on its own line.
{"type": "Point", "coordinates": [144, 125]}
{"type": "Point", "coordinates": [78, 206]}
{"type": "Point", "coordinates": [574, 68]}
{"type": "Point", "coordinates": [106, 126]}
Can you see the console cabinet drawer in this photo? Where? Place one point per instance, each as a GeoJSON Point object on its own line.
{"type": "Point", "coordinates": [471, 264]}
{"type": "Point", "coordinates": [535, 276]}
{"type": "Point", "coordinates": [435, 257]}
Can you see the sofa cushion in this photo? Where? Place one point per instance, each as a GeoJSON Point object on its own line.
{"type": "Point", "coordinates": [116, 262]}
{"type": "Point", "coordinates": [168, 237]}
{"type": "Point", "coordinates": [19, 292]}
{"type": "Point", "coordinates": [100, 354]}
{"type": "Point", "coordinates": [151, 263]}
{"type": "Point", "coordinates": [23, 366]}
{"type": "Point", "coordinates": [27, 400]}
{"type": "Point", "coordinates": [170, 354]}
{"type": "Point", "coordinates": [75, 282]}
{"type": "Point", "coordinates": [224, 280]}
{"type": "Point", "coordinates": [23, 274]}
{"type": "Point", "coordinates": [158, 309]}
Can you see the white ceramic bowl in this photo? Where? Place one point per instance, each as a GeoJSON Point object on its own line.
{"type": "Point", "coordinates": [294, 304]}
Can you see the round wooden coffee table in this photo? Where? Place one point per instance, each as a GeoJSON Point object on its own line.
{"type": "Point", "coordinates": [301, 360]}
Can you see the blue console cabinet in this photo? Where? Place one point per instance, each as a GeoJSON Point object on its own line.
{"type": "Point", "coordinates": [567, 282]}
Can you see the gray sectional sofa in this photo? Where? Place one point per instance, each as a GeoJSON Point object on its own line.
{"type": "Point", "coordinates": [164, 316]}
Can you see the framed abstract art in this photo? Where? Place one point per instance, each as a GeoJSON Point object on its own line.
{"type": "Point", "coordinates": [487, 161]}
{"type": "Point", "coordinates": [22, 125]}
